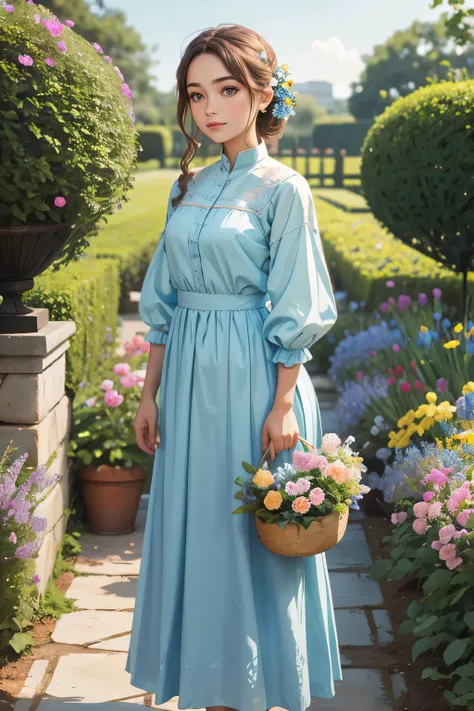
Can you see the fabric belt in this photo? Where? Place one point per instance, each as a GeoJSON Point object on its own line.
{"type": "Point", "coordinates": [221, 302]}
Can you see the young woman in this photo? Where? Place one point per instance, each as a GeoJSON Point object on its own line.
{"type": "Point", "coordinates": [219, 620]}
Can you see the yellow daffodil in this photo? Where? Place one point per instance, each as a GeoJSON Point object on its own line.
{"type": "Point", "coordinates": [468, 388]}
{"type": "Point", "coordinates": [421, 411]}
{"type": "Point", "coordinates": [469, 333]}
{"type": "Point", "coordinates": [424, 329]}
{"type": "Point", "coordinates": [431, 410]}
{"type": "Point", "coordinates": [458, 328]}
{"type": "Point", "coordinates": [431, 397]}
{"type": "Point", "coordinates": [406, 419]}
{"type": "Point", "coordinates": [427, 422]}
{"type": "Point", "coordinates": [404, 442]}
{"type": "Point", "coordinates": [451, 344]}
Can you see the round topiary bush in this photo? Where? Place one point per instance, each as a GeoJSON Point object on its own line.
{"type": "Point", "coordinates": [68, 144]}
{"type": "Point", "coordinates": [417, 171]}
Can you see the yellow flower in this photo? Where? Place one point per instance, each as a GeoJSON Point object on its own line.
{"type": "Point", "coordinates": [421, 411]}
{"type": "Point", "coordinates": [273, 500]}
{"type": "Point", "coordinates": [403, 442]}
{"type": "Point", "coordinates": [424, 329]}
{"type": "Point", "coordinates": [431, 397]}
{"type": "Point", "coordinates": [451, 344]}
{"type": "Point", "coordinates": [284, 67]}
{"type": "Point", "coordinates": [406, 419]}
{"type": "Point", "coordinates": [458, 328]}
{"type": "Point", "coordinates": [263, 479]}
{"type": "Point", "coordinates": [469, 333]}
{"type": "Point", "coordinates": [411, 429]}
{"type": "Point", "coordinates": [427, 422]}
{"type": "Point", "coordinates": [468, 388]}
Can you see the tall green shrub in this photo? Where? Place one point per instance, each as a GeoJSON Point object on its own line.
{"type": "Point", "coordinates": [66, 126]}
{"type": "Point", "coordinates": [417, 172]}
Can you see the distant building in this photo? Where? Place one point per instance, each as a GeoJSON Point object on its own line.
{"type": "Point", "coordinates": [322, 91]}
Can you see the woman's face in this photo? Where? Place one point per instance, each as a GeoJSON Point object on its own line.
{"type": "Point", "coordinates": [215, 97]}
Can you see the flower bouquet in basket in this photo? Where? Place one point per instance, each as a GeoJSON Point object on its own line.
{"type": "Point", "coordinates": [302, 509]}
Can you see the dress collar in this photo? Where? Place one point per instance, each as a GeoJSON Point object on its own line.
{"type": "Point", "coordinates": [245, 158]}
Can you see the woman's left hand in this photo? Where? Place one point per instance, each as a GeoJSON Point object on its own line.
{"type": "Point", "coordinates": [280, 430]}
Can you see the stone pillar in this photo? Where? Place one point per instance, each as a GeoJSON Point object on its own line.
{"type": "Point", "coordinates": [36, 414]}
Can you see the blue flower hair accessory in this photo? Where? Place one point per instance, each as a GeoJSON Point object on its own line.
{"type": "Point", "coordinates": [285, 97]}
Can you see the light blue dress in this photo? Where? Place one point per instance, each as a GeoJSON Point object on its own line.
{"type": "Point", "coordinates": [219, 619]}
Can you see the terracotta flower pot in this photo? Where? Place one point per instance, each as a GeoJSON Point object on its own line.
{"type": "Point", "coordinates": [112, 497]}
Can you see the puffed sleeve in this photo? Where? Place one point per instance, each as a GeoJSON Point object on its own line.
{"type": "Point", "coordinates": [158, 297]}
{"type": "Point", "coordinates": [303, 308]}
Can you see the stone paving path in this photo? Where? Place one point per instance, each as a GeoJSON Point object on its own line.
{"type": "Point", "coordinates": [95, 639]}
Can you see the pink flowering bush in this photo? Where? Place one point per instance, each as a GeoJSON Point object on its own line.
{"type": "Point", "coordinates": [21, 533]}
{"type": "Point", "coordinates": [103, 420]}
{"type": "Point", "coordinates": [68, 155]}
{"type": "Point", "coordinates": [315, 484]}
{"type": "Point", "coordinates": [432, 542]}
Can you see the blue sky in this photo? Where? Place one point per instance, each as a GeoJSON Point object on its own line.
{"type": "Point", "coordinates": [319, 40]}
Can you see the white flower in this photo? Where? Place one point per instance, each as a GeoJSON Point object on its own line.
{"type": "Point", "coordinates": [330, 443]}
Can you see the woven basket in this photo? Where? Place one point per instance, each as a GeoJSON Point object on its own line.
{"type": "Point", "coordinates": [294, 540]}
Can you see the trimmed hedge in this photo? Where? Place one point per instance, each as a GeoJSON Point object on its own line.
{"type": "Point", "coordinates": [156, 143]}
{"type": "Point", "coordinates": [86, 292]}
{"type": "Point", "coordinates": [364, 255]}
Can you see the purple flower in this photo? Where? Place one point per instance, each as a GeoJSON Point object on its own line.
{"type": "Point", "coordinates": [9, 8]}
{"type": "Point", "coordinates": [390, 284]}
{"type": "Point", "coordinates": [422, 299]}
{"type": "Point", "coordinates": [50, 61]}
{"type": "Point", "coordinates": [109, 59]}
{"type": "Point", "coordinates": [395, 348]}
{"type": "Point", "coordinates": [37, 19]}
{"type": "Point", "coordinates": [404, 302]}
{"type": "Point", "coordinates": [69, 23]}
{"type": "Point", "coordinates": [119, 73]}
{"type": "Point", "coordinates": [62, 46]}
{"type": "Point", "coordinates": [38, 523]}
{"type": "Point", "coordinates": [383, 306]}
{"type": "Point", "coordinates": [98, 47]}
{"type": "Point", "coordinates": [441, 385]}
{"type": "Point", "coordinates": [36, 578]}
{"type": "Point", "coordinates": [26, 550]}
{"type": "Point", "coordinates": [59, 201]}
{"type": "Point", "coordinates": [25, 59]}
{"type": "Point", "coordinates": [437, 293]}
{"type": "Point", "coordinates": [30, 2]}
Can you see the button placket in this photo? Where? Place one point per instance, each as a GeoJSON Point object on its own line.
{"type": "Point", "coordinates": [194, 239]}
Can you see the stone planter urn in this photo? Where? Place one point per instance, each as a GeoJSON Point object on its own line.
{"type": "Point", "coordinates": [25, 252]}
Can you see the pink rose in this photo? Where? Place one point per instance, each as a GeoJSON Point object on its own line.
{"type": "Point", "coordinates": [436, 545]}
{"type": "Point", "coordinates": [291, 488]}
{"type": "Point", "coordinates": [60, 201]}
{"type": "Point", "coordinates": [113, 398]}
{"type": "Point", "coordinates": [446, 533]}
{"type": "Point", "coordinates": [121, 369]}
{"type": "Point", "coordinates": [317, 496]}
{"type": "Point", "coordinates": [420, 526]}
{"type": "Point", "coordinates": [463, 516]}
{"type": "Point", "coordinates": [338, 471]}
{"type": "Point", "coordinates": [330, 443]}
{"type": "Point", "coordinates": [25, 59]}
{"type": "Point", "coordinates": [434, 510]}
{"type": "Point", "coordinates": [302, 485]}
{"type": "Point", "coordinates": [302, 461]}
{"type": "Point", "coordinates": [447, 551]}
{"type": "Point", "coordinates": [420, 509]}
{"type": "Point", "coordinates": [128, 381]}
{"type": "Point", "coordinates": [453, 563]}
{"type": "Point", "coordinates": [301, 505]}
{"type": "Point", "coordinates": [437, 477]}
{"type": "Point", "coordinates": [107, 384]}
{"type": "Point", "coordinates": [428, 495]}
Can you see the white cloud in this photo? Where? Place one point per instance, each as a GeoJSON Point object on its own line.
{"type": "Point", "coordinates": [329, 60]}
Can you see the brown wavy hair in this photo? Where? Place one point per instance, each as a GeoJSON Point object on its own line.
{"type": "Point", "coordinates": [238, 47]}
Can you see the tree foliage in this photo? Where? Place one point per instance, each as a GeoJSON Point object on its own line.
{"type": "Point", "coordinates": [404, 63]}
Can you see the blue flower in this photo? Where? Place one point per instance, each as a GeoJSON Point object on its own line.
{"type": "Point", "coordinates": [437, 316]}
{"type": "Point", "coordinates": [424, 339]}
